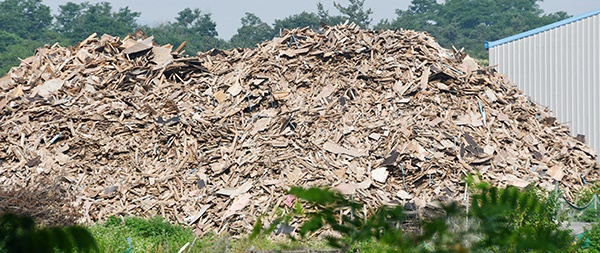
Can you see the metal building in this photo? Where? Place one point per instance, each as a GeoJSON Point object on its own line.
{"type": "Point", "coordinates": [558, 66]}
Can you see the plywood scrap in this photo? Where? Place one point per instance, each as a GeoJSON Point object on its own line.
{"type": "Point", "coordinates": [238, 204]}
{"type": "Point", "coordinates": [515, 181]}
{"type": "Point", "coordinates": [233, 192]}
{"type": "Point", "coordinates": [556, 173]}
{"type": "Point", "coordinates": [161, 57]}
{"type": "Point", "coordinates": [380, 174]}
{"type": "Point", "coordinates": [337, 149]}
{"type": "Point", "coordinates": [139, 46]}
{"type": "Point", "coordinates": [49, 87]}
{"type": "Point", "coordinates": [350, 188]}
{"type": "Point", "coordinates": [402, 194]}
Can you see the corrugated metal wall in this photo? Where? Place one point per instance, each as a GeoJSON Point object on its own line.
{"type": "Point", "coordinates": [559, 68]}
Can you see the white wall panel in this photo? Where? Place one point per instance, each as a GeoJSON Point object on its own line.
{"type": "Point", "coordinates": [559, 68]}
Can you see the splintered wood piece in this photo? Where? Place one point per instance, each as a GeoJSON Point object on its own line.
{"type": "Point", "coordinates": [5, 82]}
{"type": "Point", "coordinates": [220, 97]}
{"type": "Point", "coordinates": [516, 181]}
{"type": "Point", "coordinates": [236, 191]}
{"type": "Point", "coordinates": [403, 195]}
{"type": "Point", "coordinates": [380, 174]}
{"type": "Point", "coordinates": [294, 52]}
{"type": "Point", "coordinates": [350, 188]}
{"type": "Point", "coordinates": [181, 46]}
{"type": "Point", "coordinates": [337, 149]}
{"type": "Point", "coordinates": [425, 78]}
{"type": "Point", "coordinates": [139, 46]}
{"type": "Point", "coordinates": [260, 125]}
{"type": "Point", "coordinates": [192, 219]}
{"type": "Point", "coordinates": [162, 57]}
{"type": "Point", "coordinates": [49, 87]}
{"type": "Point", "coordinates": [235, 89]}
{"type": "Point", "coordinates": [556, 173]}
{"type": "Point", "coordinates": [238, 204]}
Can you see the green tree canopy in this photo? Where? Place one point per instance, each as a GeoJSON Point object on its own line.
{"type": "Point", "coordinates": [324, 16]}
{"type": "Point", "coordinates": [13, 47]}
{"type": "Point", "coordinates": [26, 18]}
{"type": "Point", "coordinates": [355, 12]}
{"type": "Point", "coordinates": [77, 21]}
{"type": "Point", "coordinates": [301, 20]}
{"type": "Point", "coordinates": [196, 28]}
{"type": "Point", "coordinates": [467, 23]}
{"type": "Point", "coordinates": [252, 32]}
{"type": "Point", "coordinates": [197, 22]}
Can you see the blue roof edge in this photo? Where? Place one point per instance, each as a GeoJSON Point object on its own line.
{"type": "Point", "coordinates": [489, 44]}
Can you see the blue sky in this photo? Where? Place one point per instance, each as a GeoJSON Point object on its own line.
{"type": "Point", "coordinates": [227, 13]}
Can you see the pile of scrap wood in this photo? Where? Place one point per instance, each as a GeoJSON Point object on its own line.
{"type": "Point", "coordinates": [215, 140]}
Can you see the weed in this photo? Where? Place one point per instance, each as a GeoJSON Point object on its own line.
{"type": "Point", "coordinates": [134, 234]}
{"type": "Point", "coordinates": [502, 220]}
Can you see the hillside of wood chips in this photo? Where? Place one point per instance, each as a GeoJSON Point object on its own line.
{"type": "Point", "coordinates": [128, 127]}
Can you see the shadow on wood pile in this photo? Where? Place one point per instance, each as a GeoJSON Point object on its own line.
{"type": "Point", "coordinates": [47, 202]}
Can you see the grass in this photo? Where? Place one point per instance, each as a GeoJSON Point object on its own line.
{"type": "Point", "coordinates": [372, 246]}
{"type": "Point", "coordinates": [133, 234]}
{"type": "Point", "coordinates": [158, 235]}
{"type": "Point", "coordinates": [140, 235]}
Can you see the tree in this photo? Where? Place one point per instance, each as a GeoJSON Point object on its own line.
{"type": "Point", "coordinates": [196, 28]}
{"type": "Point", "coordinates": [467, 23]}
{"type": "Point", "coordinates": [28, 19]}
{"type": "Point", "coordinates": [197, 22]}
{"type": "Point", "coordinates": [252, 32]}
{"type": "Point", "coordinates": [326, 18]}
{"type": "Point", "coordinates": [13, 47]}
{"type": "Point", "coordinates": [24, 26]}
{"type": "Point", "coordinates": [77, 21]}
{"type": "Point", "coordinates": [422, 15]}
{"type": "Point", "coordinates": [355, 12]}
{"type": "Point", "coordinates": [301, 20]}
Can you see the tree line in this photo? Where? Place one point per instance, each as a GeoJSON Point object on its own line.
{"type": "Point", "coordinates": [28, 24]}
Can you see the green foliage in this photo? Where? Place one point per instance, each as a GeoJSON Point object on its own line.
{"type": "Point", "coordinates": [13, 47]}
{"type": "Point", "coordinates": [252, 32]}
{"type": "Point", "coordinates": [501, 220]}
{"type": "Point", "coordinates": [25, 18]}
{"type": "Point", "coordinates": [157, 235]}
{"type": "Point", "coordinates": [197, 22]}
{"type": "Point", "coordinates": [145, 235]}
{"type": "Point", "coordinates": [467, 23]}
{"type": "Point", "coordinates": [301, 20]}
{"type": "Point", "coordinates": [355, 12]}
{"type": "Point", "coordinates": [325, 17]}
{"type": "Point", "coordinates": [20, 234]}
{"type": "Point", "coordinates": [591, 240]}
{"type": "Point", "coordinates": [515, 221]}
{"type": "Point", "coordinates": [77, 21]}
{"type": "Point", "coordinates": [196, 28]}
{"type": "Point", "coordinates": [584, 198]}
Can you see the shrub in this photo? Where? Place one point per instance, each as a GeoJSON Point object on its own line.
{"type": "Point", "coordinates": [20, 234]}
{"type": "Point", "coordinates": [502, 220]}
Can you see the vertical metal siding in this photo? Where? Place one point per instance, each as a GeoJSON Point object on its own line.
{"type": "Point", "coordinates": [559, 68]}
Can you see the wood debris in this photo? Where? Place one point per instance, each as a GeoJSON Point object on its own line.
{"type": "Point", "coordinates": [215, 140]}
